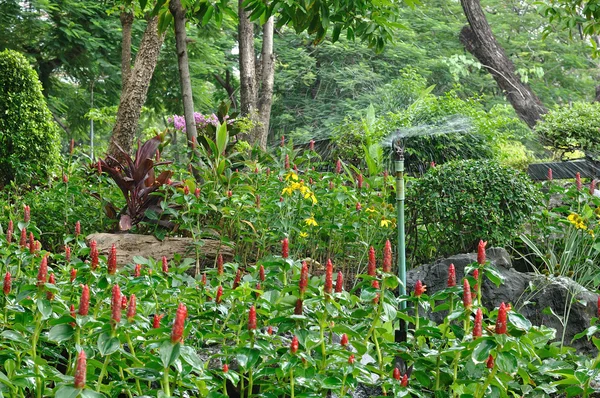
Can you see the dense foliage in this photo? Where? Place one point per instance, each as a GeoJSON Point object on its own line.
{"type": "Point", "coordinates": [29, 139]}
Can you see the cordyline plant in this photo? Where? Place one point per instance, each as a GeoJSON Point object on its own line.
{"type": "Point", "coordinates": [137, 181]}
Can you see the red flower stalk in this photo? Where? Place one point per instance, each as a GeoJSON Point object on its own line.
{"type": "Point", "coordinates": [549, 174]}
{"type": "Point", "coordinates": [404, 382]}
{"type": "Point", "coordinates": [116, 305]}
{"type": "Point", "coordinates": [238, 279]}
{"type": "Point", "coordinates": [311, 145]}
{"type": "Point", "coordinates": [490, 362]}
{"type": "Point", "coordinates": [287, 161]}
{"type": "Point", "coordinates": [51, 280]}
{"type": "Point", "coordinates": [476, 276]}
{"type": "Point", "coordinates": [94, 255]}
{"type": "Point", "coordinates": [225, 368]}
{"type": "Point", "coordinates": [77, 229]}
{"type": "Point", "coordinates": [23, 241]}
{"type": "Point", "coordinates": [99, 167]}
{"type": "Point", "coordinates": [593, 186]}
{"type": "Point", "coordinates": [283, 140]}
{"type": "Point", "coordinates": [397, 374]}
{"type": "Point", "coordinates": [9, 231]}
{"type": "Point", "coordinates": [156, 321]}
{"type": "Point", "coordinates": [329, 277]}
{"type": "Point", "coordinates": [481, 252]}
{"type": "Point", "coordinates": [358, 206]}
{"type": "Point", "coordinates": [67, 254]}
{"type": "Point", "coordinates": [351, 359]}
{"type": "Point", "coordinates": [501, 320]}
{"type": "Point", "coordinates": [7, 283]}
{"type": "Point", "coordinates": [123, 302]}
{"type": "Point", "coordinates": [31, 243]}
{"type": "Point", "coordinates": [84, 301]}
{"type": "Point", "coordinates": [42, 275]}
{"type": "Point", "coordinates": [270, 330]}
{"type": "Point", "coordinates": [359, 181]}
{"type": "Point", "coordinates": [387, 256]}
{"type": "Point", "coordinates": [26, 213]}
{"type": "Point", "coordinates": [203, 280]}
{"type": "Point", "coordinates": [467, 300]}
{"type": "Point", "coordinates": [375, 285]}
{"type": "Point", "coordinates": [131, 308]}
{"type": "Point", "coordinates": [229, 193]}
{"type": "Point", "coordinates": [372, 268]}
{"type": "Point", "coordinates": [419, 288]}
{"type": "Point", "coordinates": [178, 325]}
{"type": "Point", "coordinates": [285, 248]}
{"type": "Point", "coordinates": [451, 276]}
{"type": "Point", "coordinates": [294, 345]}
{"type": "Point", "coordinates": [578, 181]}
{"type": "Point", "coordinates": [338, 166]}
{"type": "Point", "coordinates": [303, 283]}
{"type": "Point", "coordinates": [298, 308]}
{"type": "Point", "coordinates": [220, 264]}
{"type": "Point", "coordinates": [80, 370]}
{"type": "Point", "coordinates": [252, 318]}
{"type": "Point", "coordinates": [165, 265]}
{"type": "Point", "coordinates": [65, 178]}
{"type": "Point", "coordinates": [261, 273]}
{"type": "Point", "coordinates": [344, 340]}
{"type": "Point", "coordinates": [137, 271]}
{"type": "Point", "coordinates": [478, 327]}
{"type": "Point", "coordinates": [339, 283]}
{"type": "Point", "coordinates": [112, 260]}
{"type": "Point", "coordinates": [197, 193]}
{"type": "Point", "coordinates": [219, 294]}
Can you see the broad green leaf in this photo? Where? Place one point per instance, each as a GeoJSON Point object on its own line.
{"type": "Point", "coordinates": [169, 353]}
{"type": "Point", "coordinates": [107, 344]}
{"type": "Point", "coordinates": [482, 350]}
{"type": "Point", "coordinates": [67, 392]}
{"type": "Point", "coordinates": [60, 333]}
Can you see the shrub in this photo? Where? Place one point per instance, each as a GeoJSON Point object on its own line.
{"type": "Point", "coordinates": [570, 128]}
{"type": "Point", "coordinates": [460, 202]}
{"type": "Point", "coordinates": [29, 141]}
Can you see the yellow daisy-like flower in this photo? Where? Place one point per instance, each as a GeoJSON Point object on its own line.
{"type": "Point", "coordinates": [303, 235]}
{"type": "Point", "coordinates": [591, 232]}
{"type": "Point", "coordinates": [385, 223]}
{"type": "Point", "coordinates": [370, 209]}
{"type": "Point", "coordinates": [311, 221]}
{"type": "Point", "coordinates": [291, 175]}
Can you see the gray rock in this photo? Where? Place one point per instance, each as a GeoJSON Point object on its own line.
{"type": "Point", "coordinates": [528, 293]}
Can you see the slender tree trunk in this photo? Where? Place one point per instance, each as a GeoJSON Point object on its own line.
{"type": "Point", "coordinates": [134, 95]}
{"type": "Point", "coordinates": [266, 89]}
{"type": "Point", "coordinates": [126, 26]}
{"type": "Point", "coordinates": [185, 80]}
{"type": "Point", "coordinates": [248, 87]}
{"type": "Point", "coordinates": [226, 84]}
{"type": "Point", "coordinates": [479, 40]}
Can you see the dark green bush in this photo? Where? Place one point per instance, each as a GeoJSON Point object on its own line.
{"type": "Point", "coordinates": [454, 205]}
{"type": "Point", "coordinates": [29, 140]}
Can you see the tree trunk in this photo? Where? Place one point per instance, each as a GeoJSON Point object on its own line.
{"type": "Point", "coordinates": [248, 86]}
{"type": "Point", "coordinates": [226, 84]}
{"type": "Point", "coordinates": [185, 80]}
{"type": "Point", "coordinates": [126, 26]}
{"type": "Point", "coordinates": [479, 40]}
{"type": "Point", "coordinates": [266, 89]}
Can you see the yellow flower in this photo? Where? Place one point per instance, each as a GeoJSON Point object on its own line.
{"type": "Point", "coordinates": [291, 175]}
{"type": "Point", "coordinates": [303, 235]}
{"type": "Point", "coordinates": [311, 221]}
{"type": "Point", "coordinates": [591, 232]}
{"type": "Point", "coordinates": [385, 222]}
{"type": "Point", "coordinates": [370, 209]}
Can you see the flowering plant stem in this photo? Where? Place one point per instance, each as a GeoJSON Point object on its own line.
{"type": "Point", "coordinates": [166, 386]}
{"type": "Point", "coordinates": [36, 335]}
{"type": "Point", "coordinates": [102, 373]}
{"type": "Point", "coordinates": [480, 393]}
{"type": "Point", "coordinates": [292, 380]}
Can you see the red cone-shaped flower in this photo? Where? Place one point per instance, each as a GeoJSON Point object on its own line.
{"type": "Point", "coordinates": [578, 181]}
{"type": "Point", "coordinates": [287, 161]}
{"type": "Point", "coordinates": [285, 248]}
{"type": "Point", "coordinates": [270, 330]}
{"type": "Point", "coordinates": [252, 318]}
{"type": "Point", "coordinates": [476, 276]}
{"type": "Point", "coordinates": [387, 256]}
{"type": "Point", "coordinates": [467, 301]}
{"type": "Point", "coordinates": [283, 140]}
{"type": "Point", "coordinates": [358, 206]}
{"type": "Point", "coordinates": [225, 368]}
{"type": "Point", "coordinates": [123, 302]}
{"type": "Point", "coordinates": [116, 305]}
{"type": "Point", "coordinates": [112, 260]}
{"type": "Point", "coordinates": [294, 345]}
{"type": "Point", "coordinates": [197, 193]}
{"type": "Point", "coordinates": [478, 326]}
{"type": "Point", "coordinates": [329, 277]}
{"type": "Point", "coordinates": [9, 231]}
{"type": "Point", "coordinates": [339, 282]}
{"type": "Point", "coordinates": [23, 241]}
{"type": "Point", "coordinates": [344, 340]}
{"type": "Point", "coordinates": [178, 325]}
{"type": "Point", "coordinates": [481, 252]}
{"type": "Point", "coordinates": [203, 280]}
{"type": "Point", "coordinates": [80, 370]}
{"type": "Point", "coordinates": [220, 264]}
{"type": "Point", "coordinates": [42, 275]}
{"type": "Point", "coordinates": [238, 279]}
{"type": "Point", "coordinates": [84, 301]}
{"type": "Point", "coordinates": [490, 362]}
{"type": "Point", "coordinates": [26, 213]}
{"type": "Point", "coordinates": [93, 255]}
{"type": "Point", "coordinates": [131, 308]}
{"type": "Point", "coordinates": [397, 374]}
{"type": "Point", "coordinates": [52, 281]}
{"type": "Point", "coordinates": [351, 359]}
{"type": "Point", "coordinates": [404, 382]}
{"type": "Point", "coordinates": [156, 321]}
{"type": "Point", "coordinates": [549, 174]}
{"type": "Point", "coordinates": [303, 284]}
{"type": "Point", "coordinates": [359, 181]}
{"type": "Point", "coordinates": [219, 294]}
{"type": "Point", "coordinates": [165, 265]}
{"type": "Point", "coordinates": [7, 284]}
{"type": "Point", "coordinates": [372, 268]}
{"type": "Point", "coordinates": [501, 320]}
{"type": "Point", "coordinates": [338, 166]}
{"type": "Point", "coordinates": [31, 243]}
{"type": "Point", "coordinates": [451, 276]}
{"type": "Point", "coordinates": [137, 271]}
{"type": "Point", "coordinates": [77, 229]}
{"type": "Point", "coordinates": [298, 308]}
{"type": "Point", "coordinates": [311, 145]}
{"type": "Point", "coordinates": [261, 273]}
{"type": "Point", "coordinates": [419, 288]}
{"type": "Point", "coordinates": [67, 254]}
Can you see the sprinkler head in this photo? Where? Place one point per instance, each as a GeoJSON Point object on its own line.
{"type": "Point", "coordinates": [399, 149]}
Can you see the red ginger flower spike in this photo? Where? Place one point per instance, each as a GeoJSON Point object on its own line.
{"type": "Point", "coordinates": [375, 285]}
{"type": "Point", "coordinates": [73, 314]}
{"type": "Point", "coordinates": [404, 382]}
{"type": "Point", "coordinates": [131, 308]}
{"type": "Point", "coordinates": [99, 167]}
{"type": "Point", "coordinates": [467, 300]}
{"type": "Point", "coordinates": [23, 241]}
{"type": "Point", "coordinates": [549, 174]}
{"type": "Point", "coordinates": [501, 320]}
{"type": "Point", "coordinates": [9, 231]}
{"type": "Point", "coordinates": [481, 252]}
{"type": "Point", "coordinates": [31, 243]}
{"type": "Point", "coordinates": [220, 264]}
{"type": "Point", "coordinates": [156, 321]}
{"type": "Point", "coordinates": [287, 161]}
{"type": "Point", "coordinates": [112, 260]}
{"type": "Point", "coordinates": [476, 276]}
{"type": "Point", "coordinates": [42, 275]}
{"type": "Point", "coordinates": [203, 280]}
{"type": "Point", "coordinates": [490, 362]}
{"type": "Point", "coordinates": [387, 256]}
{"type": "Point", "coordinates": [137, 272]}
{"type": "Point", "coordinates": [238, 279]}
{"type": "Point", "coordinates": [338, 166]}
{"type": "Point", "coordinates": [261, 273]}
{"type": "Point", "coordinates": [252, 318]}
{"type": "Point", "coordinates": [7, 284]}
{"type": "Point", "coordinates": [294, 345]}
{"type": "Point", "coordinates": [178, 325]}
{"type": "Point", "coordinates": [197, 193]}
{"type": "Point", "coordinates": [270, 330]}
{"type": "Point", "coordinates": [67, 254]}
{"type": "Point", "coordinates": [80, 371]}
{"type": "Point", "coordinates": [26, 213]}
{"type": "Point", "coordinates": [303, 284]}
{"type": "Point", "coordinates": [72, 146]}
{"type": "Point", "coordinates": [451, 276]}
{"type": "Point", "coordinates": [186, 190]}
{"type": "Point", "coordinates": [372, 268]}
{"type": "Point", "coordinates": [311, 145]}
{"type": "Point", "coordinates": [225, 368]}
{"type": "Point", "coordinates": [94, 255]}
{"type": "Point", "coordinates": [339, 283]}
{"type": "Point", "coordinates": [359, 181]}
{"type": "Point", "coordinates": [283, 140]}
{"type": "Point", "coordinates": [593, 186]}
{"type": "Point", "coordinates": [329, 277]}
{"type": "Point", "coordinates": [219, 294]}
{"type": "Point", "coordinates": [116, 305]}
{"type": "Point", "coordinates": [478, 326]}
{"type": "Point", "coordinates": [358, 206]}
{"type": "Point", "coordinates": [298, 308]}
{"type": "Point", "coordinates": [84, 301]}
{"type": "Point", "coordinates": [123, 302]}
{"type": "Point", "coordinates": [420, 288]}
{"type": "Point", "coordinates": [51, 280]}
{"type": "Point", "coordinates": [285, 248]}
{"type": "Point", "coordinates": [351, 359]}
{"type": "Point", "coordinates": [77, 229]}
{"type": "Point", "coordinates": [397, 375]}
{"type": "Point", "coordinates": [165, 265]}
{"type": "Point", "coordinates": [344, 340]}
{"type": "Point", "coordinates": [578, 181]}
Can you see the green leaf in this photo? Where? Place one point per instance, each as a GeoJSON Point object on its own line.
{"type": "Point", "coordinates": [14, 336]}
{"type": "Point", "coordinates": [247, 357]}
{"type": "Point", "coordinates": [87, 393]}
{"type": "Point", "coordinates": [332, 383]}
{"type": "Point", "coordinates": [45, 308]}
{"type": "Point", "coordinates": [506, 362]}
{"type": "Point", "coordinates": [60, 333]}
{"type": "Point", "coordinates": [389, 312]}
{"type": "Point", "coordinates": [67, 392]}
{"type": "Point", "coordinates": [169, 353]}
{"type": "Point", "coordinates": [482, 351]}
{"type": "Point", "coordinates": [494, 276]}
{"type": "Point", "coordinates": [189, 355]}
{"type": "Point", "coordinates": [107, 344]}
{"type": "Point", "coordinates": [519, 321]}
{"type": "Point", "coordinates": [222, 137]}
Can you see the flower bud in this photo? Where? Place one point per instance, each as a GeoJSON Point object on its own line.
{"type": "Point", "coordinates": [80, 370]}
{"type": "Point", "coordinates": [372, 267]}
{"type": "Point", "coordinates": [156, 321]}
{"type": "Point", "coordinates": [358, 206]}
{"type": "Point", "coordinates": [467, 301]}
{"type": "Point", "coordinates": [32, 244]}
{"type": "Point", "coordinates": [197, 193]}
{"type": "Point", "coordinates": [298, 308]}
{"type": "Point", "coordinates": [338, 166]}
{"type": "Point", "coordinates": [252, 318]}
{"type": "Point", "coordinates": [203, 280]}
{"type": "Point", "coordinates": [578, 181]}
{"type": "Point", "coordinates": [225, 368]}
{"type": "Point", "coordinates": [178, 325]}
{"type": "Point", "coordinates": [285, 248]}
{"type": "Point", "coordinates": [7, 283]}
{"type": "Point", "coordinates": [294, 345]}
{"type": "Point", "coordinates": [501, 320]}
{"type": "Point", "coordinates": [77, 229]}
{"type": "Point", "coordinates": [420, 288]}
{"type": "Point", "coordinates": [67, 254]}
{"type": "Point", "coordinates": [359, 181]}
{"type": "Point", "coordinates": [344, 340]}
{"type": "Point", "coordinates": [99, 167]}
{"type": "Point", "coordinates": [490, 362]}
{"type": "Point", "coordinates": [9, 232]}
{"type": "Point", "coordinates": [26, 213]}
{"type": "Point", "coordinates": [387, 256]}
{"type": "Point", "coordinates": [65, 178]}
{"type": "Point", "coordinates": [549, 174]}
{"type": "Point", "coordinates": [84, 301]}
{"type": "Point", "coordinates": [219, 294]}
{"type": "Point", "coordinates": [261, 273]}
{"type": "Point", "coordinates": [52, 281]}
{"type": "Point", "coordinates": [287, 161]}
{"type": "Point", "coordinates": [404, 382]}
{"type": "Point", "coordinates": [351, 359]}
{"type": "Point", "coordinates": [270, 330]}
{"type": "Point", "coordinates": [131, 308]}
{"type": "Point", "coordinates": [476, 276]}
{"type": "Point", "coordinates": [339, 283]}
{"type": "Point", "coordinates": [481, 252]}
{"type": "Point", "coordinates": [123, 302]}
{"type": "Point", "coordinates": [311, 145]}
{"type": "Point", "coordinates": [116, 305]}
{"type": "Point", "coordinates": [451, 276]}
{"type": "Point", "coordinates": [283, 140]}
{"type": "Point", "coordinates": [42, 275]}
{"type": "Point", "coordinates": [93, 255]}
{"type": "Point", "coordinates": [329, 277]}
{"type": "Point", "coordinates": [478, 327]}
{"type": "Point", "coordinates": [23, 241]}
{"type": "Point", "coordinates": [238, 279]}
{"type": "Point", "coordinates": [165, 265]}
{"type": "Point", "coordinates": [397, 375]}
{"type": "Point", "coordinates": [112, 260]}
{"type": "Point", "coordinates": [137, 271]}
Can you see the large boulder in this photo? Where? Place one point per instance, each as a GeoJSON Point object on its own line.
{"type": "Point", "coordinates": [130, 245]}
{"type": "Point", "coordinates": [528, 293]}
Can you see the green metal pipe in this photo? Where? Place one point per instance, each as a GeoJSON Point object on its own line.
{"type": "Point", "coordinates": [400, 196]}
